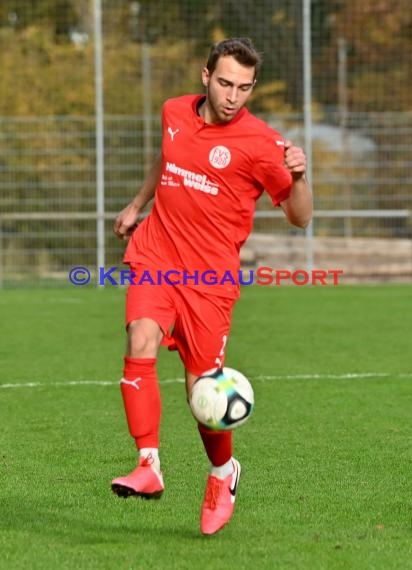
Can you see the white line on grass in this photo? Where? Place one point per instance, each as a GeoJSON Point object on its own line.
{"type": "Point", "coordinates": [80, 383]}
{"type": "Point", "coordinates": [325, 376]}
{"type": "Point", "coordinates": [333, 376]}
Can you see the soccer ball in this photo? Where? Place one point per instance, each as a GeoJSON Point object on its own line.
{"type": "Point", "coordinates": [222, 399]}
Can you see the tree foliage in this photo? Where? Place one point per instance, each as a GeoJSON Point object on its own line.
{"type": "Point", "coordinates": [47, 70]}
{"type": "Point", "coordinates": [378, 35]}
{"type": "Point", "coordinates": [49, 43]}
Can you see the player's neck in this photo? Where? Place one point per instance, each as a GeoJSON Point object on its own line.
{"type": "Point", "coordinates": [201, 108]}
{"type": "Point", "coordinates": [206, 112]}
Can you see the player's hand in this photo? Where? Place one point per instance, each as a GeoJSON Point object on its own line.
{"type": "Point", "coordinates": [295, 160]}
{"type": "Point", "coordinates": [126, 222]}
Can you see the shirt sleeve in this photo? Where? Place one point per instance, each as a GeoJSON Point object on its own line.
{"type": "Point", "coordinates": [269, 169]}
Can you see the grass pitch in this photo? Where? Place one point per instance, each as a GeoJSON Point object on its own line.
{"type": "Point", "coordinates": [327, 456]}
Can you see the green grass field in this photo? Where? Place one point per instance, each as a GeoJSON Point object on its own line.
{"type": "Point", "coordinates": [326, 457]}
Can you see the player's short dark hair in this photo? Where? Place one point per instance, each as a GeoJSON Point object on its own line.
{"type": "Point", "coordinates": [241, 49]}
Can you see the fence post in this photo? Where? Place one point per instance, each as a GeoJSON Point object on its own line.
{"type": "Point", "coordinates": [307, 116]}
{"type": "Point", "coordinates": [99, 113]}
{"type": "Point", "coordinates": [147, 105]}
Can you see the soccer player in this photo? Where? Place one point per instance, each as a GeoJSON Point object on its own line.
{"type": "Point", "coordinates": [215, 162]}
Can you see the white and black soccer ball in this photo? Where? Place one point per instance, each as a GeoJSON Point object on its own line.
{"type": "Point", "coordinates": [222, 399]}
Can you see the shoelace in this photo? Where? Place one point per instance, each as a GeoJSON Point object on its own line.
{"type": "Point", "coordinates": [213, 490]}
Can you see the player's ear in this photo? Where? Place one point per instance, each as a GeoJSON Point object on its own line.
{"type": "Point", "coordinates": [205, 76]}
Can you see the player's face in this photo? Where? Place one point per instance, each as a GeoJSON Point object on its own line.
{"type": "Point", "coordinates": [228, 89]}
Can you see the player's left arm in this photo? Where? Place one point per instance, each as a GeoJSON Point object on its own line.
{"type": "Point", "coordinates": [298, 206]}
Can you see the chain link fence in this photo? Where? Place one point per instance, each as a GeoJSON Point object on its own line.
{"type": "Point", "coordinates": [361, 131]}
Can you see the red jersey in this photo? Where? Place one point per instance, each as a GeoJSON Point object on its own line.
{"type": "Point", "coordinates": [212, 176]}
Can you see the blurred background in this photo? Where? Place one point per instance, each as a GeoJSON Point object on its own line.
{"type": "Point", "coordinates": [82, 84]}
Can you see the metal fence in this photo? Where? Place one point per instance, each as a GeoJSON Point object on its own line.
{"type": "Point", "coordinates": [77, 133]}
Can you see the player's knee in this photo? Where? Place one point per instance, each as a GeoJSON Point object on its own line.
{"type": "Point", "coordinates": [142, 343]}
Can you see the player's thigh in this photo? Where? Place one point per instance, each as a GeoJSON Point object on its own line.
{"type": "Point", "coordinates": [150, 312]}
{"type": "Point", "coordinates": [202, 331]}
{"type": "Point", "coordinates": [144, 337]}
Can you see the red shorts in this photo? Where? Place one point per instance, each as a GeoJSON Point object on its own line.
{"type": "Point", "coordinates": [201, 322]}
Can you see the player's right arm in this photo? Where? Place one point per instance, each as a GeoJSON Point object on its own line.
{"type": "Point", "coordinates": [126, 221]}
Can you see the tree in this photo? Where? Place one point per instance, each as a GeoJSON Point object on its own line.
{"type": "Point", "coordinates": [379, 40]}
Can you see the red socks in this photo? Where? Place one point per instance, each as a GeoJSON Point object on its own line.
{"type": "Point", "coordinates": [218, 445]}
{"type": "Point", "coordinates": [141, 398]}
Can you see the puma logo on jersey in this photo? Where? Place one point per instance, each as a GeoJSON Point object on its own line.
{"type": "Point", "coordinates": [172, 133]}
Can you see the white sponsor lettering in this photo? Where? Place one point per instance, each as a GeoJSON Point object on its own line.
{"type": "Point", "coordinates": [193, 180]}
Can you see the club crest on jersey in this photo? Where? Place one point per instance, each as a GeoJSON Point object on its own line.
{"type": "Point", "coordinates": [220, 157]}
